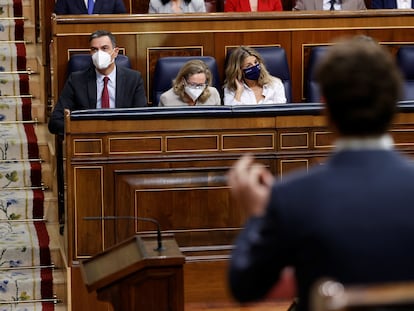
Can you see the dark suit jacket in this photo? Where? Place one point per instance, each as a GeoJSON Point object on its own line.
{"type": "Point", "coordinates": [351, 219]}
{"type": "Point", "coordinates": [386, 4]}
{"type": "Point", "coordinates": [78, 7]}
{"type": "Point", "coordinates": [79, 93]}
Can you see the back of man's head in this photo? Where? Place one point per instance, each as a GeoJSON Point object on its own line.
{"type": "Point", "coordinates": [361, 84]}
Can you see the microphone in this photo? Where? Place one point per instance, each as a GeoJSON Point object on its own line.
{"type": "Point", "coordinates": [159, 239]}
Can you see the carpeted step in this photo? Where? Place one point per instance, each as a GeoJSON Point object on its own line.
{"type": "Point", "coordinates": [17, 284]}
{"type": "Point", "coordinates": [18, 141]}
{"type": "Point", "coordinates": [14, 84]}
{"type": "Point", "coordinates": [24, 244]}
{"type": "Point", "coordinates": [15, 108]}
{"type": "Point", "coordinates": [11, 8]}
{"type": "Point", "coordinates": [12, 56]}
{"type": "Point", "coordinates": [27, 306]}
{"type": "Point", "coordinates": [12, 30]}
{"type": "Point", "coordinates": [18, 175]}
{"type": "Point", "coordinates": [21, 204]}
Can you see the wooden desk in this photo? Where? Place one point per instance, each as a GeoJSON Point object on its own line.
{"type": "Point", "coordinates": [170, 164]}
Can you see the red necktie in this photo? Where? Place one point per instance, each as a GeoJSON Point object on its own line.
{"type": "Point", "coordinates": [105, 94]}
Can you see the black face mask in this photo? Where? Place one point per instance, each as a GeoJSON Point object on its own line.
{"type": "Point", "coordinates": [252, 73]}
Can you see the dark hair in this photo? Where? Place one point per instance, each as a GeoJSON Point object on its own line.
{"type": "Point", "coordinates": [361, 84]}
{"type": "Point", "coordinates": [103, 33]}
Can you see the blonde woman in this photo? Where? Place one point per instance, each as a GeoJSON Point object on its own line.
{"type": "Point", "coordinates": [248, 82]}
{"type": "Point", "coordinates": [192, 87]}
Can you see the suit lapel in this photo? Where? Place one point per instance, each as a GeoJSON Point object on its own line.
{"type": "Point", "coordinates": [98, 6]}
{"type": "Point", "coordinates": [119, 88]}
{"type": "Point", "coordinates": [92, 88]}
{"type": "Point", "coordinates": [83, 6]}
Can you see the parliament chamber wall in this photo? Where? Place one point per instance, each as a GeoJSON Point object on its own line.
{"type": "Point", "coordinates": [171, 165]}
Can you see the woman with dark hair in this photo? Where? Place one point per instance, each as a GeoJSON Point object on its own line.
{"type": "Point", "coordinates": [176, 6]}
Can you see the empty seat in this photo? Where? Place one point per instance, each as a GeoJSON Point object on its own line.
{"type": "Point", "coordinates": [167, 68]}
{"type": "Point", "coordinates": [276, 63]}
{"type": "Point", "coordinates": [405, 60]}
{"type": "Point", "coordinates": [312, 92]}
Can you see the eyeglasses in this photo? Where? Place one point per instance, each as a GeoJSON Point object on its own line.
{"type": "Point", "coordinates": [195, 85]}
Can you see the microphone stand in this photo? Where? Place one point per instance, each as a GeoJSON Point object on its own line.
{"type": "Point", "coordinates": [159, 247]}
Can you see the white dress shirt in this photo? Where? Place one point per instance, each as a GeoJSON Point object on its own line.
{"type": "Point", "coordinates": [111, 88]}
{"type": "Point", "coordinates": [273, 93]}
{"type": "Point", "coordinates": [404, 4]}
{"type": "Point", "coordinates": [327, 5]}
{"type": "Point", "coordinates": [86, 3]}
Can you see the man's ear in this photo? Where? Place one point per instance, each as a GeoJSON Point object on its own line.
{"type": "Point", "coordinates": [116, 51]}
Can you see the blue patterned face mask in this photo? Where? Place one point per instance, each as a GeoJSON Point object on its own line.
{"type": "Point", "coordinates": [252, 73]}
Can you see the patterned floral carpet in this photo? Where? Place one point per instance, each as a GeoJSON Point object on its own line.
{"type": "Point", "coordinates": [26, 279]}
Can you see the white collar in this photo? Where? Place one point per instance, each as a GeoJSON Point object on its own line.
{"type": "Point", "coordinates": [112, 75]}
{"type": "Point", "coordinates": [383, 142]}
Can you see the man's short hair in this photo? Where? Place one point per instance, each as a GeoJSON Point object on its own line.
{"type": "Point", "coordinates": [102, 33]}
{"type": "Point", "coordinates": [361, 84]}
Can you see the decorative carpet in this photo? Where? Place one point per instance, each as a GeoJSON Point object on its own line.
{"type": "Point", "coordinates": [15, 108]}
{"type": "Point", "coordinates": [12, 56]}
{"type": "Point", "coordinates": [10, 8]}
{"type": "Point", "coordinates": [14, 84]}
{"type": "Point", "coordinates": [26, 275]}
{"type": "Point", "coordinates": [11, 29]}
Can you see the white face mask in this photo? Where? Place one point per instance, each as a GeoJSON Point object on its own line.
{"type": "Point", "coordinates": [194, 93]}
{"type": "Point", "coordinates": [101, 59]}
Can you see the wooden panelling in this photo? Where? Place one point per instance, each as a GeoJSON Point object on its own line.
{"type": "Point", "coordinates": [87, 147]}
{"type": "Point", "coordinates": [187, 143]}
{"type": "Point", "coordinates": [184, 190]}
{"type": "Point", "coordinates": [294, 141]}
{"type": "Point", "coordinates": [251, 141]}
{"type": "Point", "coordinates": [147, 37]}
{"type": "Point", "coordinates": [134, 145]}
{"type": "Point", "coordinates": [88, 201]}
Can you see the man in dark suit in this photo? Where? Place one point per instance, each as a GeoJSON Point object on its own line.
{"type": "Point", "coordinates": [84, 89]}
{"type": "Point", "coordinates": [392, 4]}
{"type": "Point", "coordinates": [350, 219]}
{"type": "Point", "coordinates": [81, 7]}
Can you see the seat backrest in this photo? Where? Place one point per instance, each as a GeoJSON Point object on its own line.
{"type": "Point", "coordinates": [79, 62]}
{"type": "Point", "coordinates": [167, 68]}
{"type": "Point", "coordinates": [276, 63]}
{"type": "Point", "coordinates": [405, 60]}
{"type": "Point", "coordinates": [312, 92]}
{"type": "Point", "coordinates": [329, 295]}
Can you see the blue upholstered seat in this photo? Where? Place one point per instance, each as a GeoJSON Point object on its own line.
{"type": "Point", "coordinates": [312, 92]}
{"type": "Point", "coordinates": [405, 60]}
{"type": "Point", "coordinates": [167, 68]}
{"type": "Point", "coordinates": [276, 63]}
